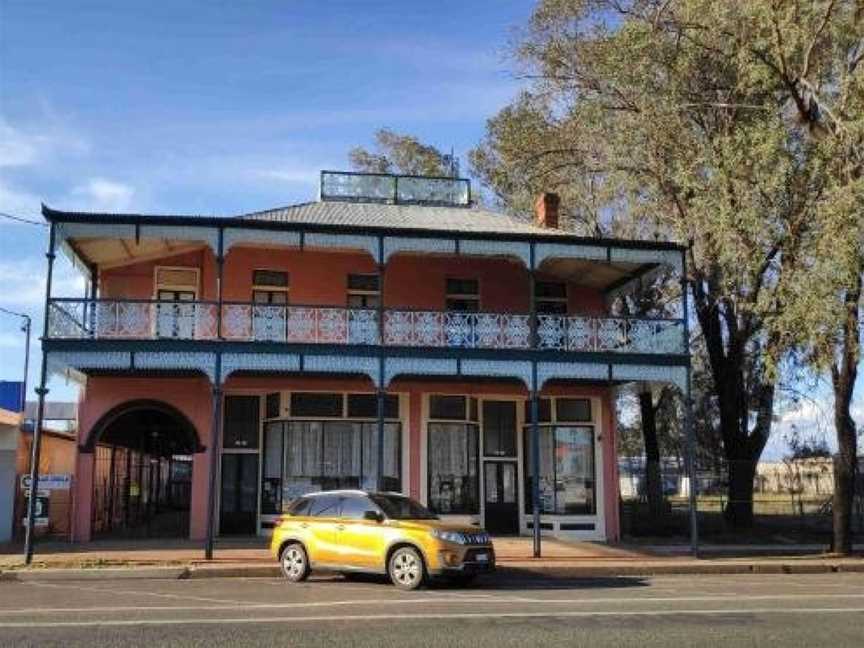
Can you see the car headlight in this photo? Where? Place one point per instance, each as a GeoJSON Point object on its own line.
{"type": "Point", "coordinates": [449, 536]}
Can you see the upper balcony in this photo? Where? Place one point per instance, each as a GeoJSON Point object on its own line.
{"type": "Point", "coordinates": [413, 234]}
{"type": "Point", "coordinates": [111, 319]}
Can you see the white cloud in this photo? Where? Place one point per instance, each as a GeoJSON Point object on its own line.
{"type": "Point", "coordinates": [18, 203]}
{"type": "Point", "coordinates": [19, 147]}
{"type": "Point", "coordinates": [306, 176]}
{"type": "Point", "coordinates": [101, 194]}
{"type": "Point", "coordinates": [23, 284]}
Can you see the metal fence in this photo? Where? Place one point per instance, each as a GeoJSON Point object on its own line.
{"type": "Point", "coordinates": [792, 504]}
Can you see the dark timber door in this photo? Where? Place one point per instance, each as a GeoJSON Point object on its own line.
{"type": "Point", "coordinates": [238, 505]}
{"type": "Point", "coordinates": [501, 497]}
{"type": "Point", "coordinates": [501, 501]}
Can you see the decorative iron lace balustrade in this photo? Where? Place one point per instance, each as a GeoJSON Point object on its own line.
{"type": "Point", "coordinates": [294, 324]}
{"type": "Point", "coordinates": [610, 334]}
{"type": "Point", "coordinates": [466, 330]}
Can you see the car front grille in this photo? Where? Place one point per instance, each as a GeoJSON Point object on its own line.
{"type": "Point", "coordinates": [477, 538]}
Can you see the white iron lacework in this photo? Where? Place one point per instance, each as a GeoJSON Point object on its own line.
{"type": "Point", "coordinates": [69, 320]}
{"type": "Point", "coordinates": [344, 364]}
{"type": "Point", "coordinates": [518, 249]}
{"type": "Point", "coordinates": [574, 370]}
{"type": "Point", "coordinates": [237, 236]}
{"type": "Point", "coordinates": [196, 361]}
{"type": "Point", "coordinates": [262, 362]}
{"type": "Point", "coordinates": [394, 244]}
{"type": "Point", "coordinates": [301, 324]}
{"type": "Point", "coordinates": [237, 321]}
{"type": "Point", "coordinates": [651, 373]}
{"type": "Point", "coordinates": [419, 367]}
{"type": "Point", "coordinates": [208, 235]}
{"type": "Point", "coordinates": [499, 369]}
{"type": "Point", "coordinates": [543, 251]}
{"type": "Point", "coordinates": [332, 325]}
{"type": "Point", "coordinates": [550, 331]}
{"type": "Point", "coordinates": [610, 334]}
{"type": "Point", "coordinates": [345, 241]}
{"type": "Point", "coordinates": [362, 326]}
{"type": "Point", "coordinates": [268, 323]}
{"type": "Point", "coordinates": [458, 330]}
{"type": "Point", "coordinates": [428, 329]}
{"type": "Point", "coordinates": [670, 258]}
{"type": "Point", "coordinates": [58, 361]}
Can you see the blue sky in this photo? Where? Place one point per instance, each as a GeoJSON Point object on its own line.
{"type": "Point", "coordinates": [219, 107]}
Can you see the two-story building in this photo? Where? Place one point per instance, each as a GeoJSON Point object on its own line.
{"type": "Point", "coordinates": [391, 334]}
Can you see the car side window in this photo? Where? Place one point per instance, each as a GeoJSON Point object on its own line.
{"type": "Point", "coordinates": [299, 507]}
{"type": "Point", "coordinates": [324, 506]}
{"type": "Point", "coordinates": [353, 507]}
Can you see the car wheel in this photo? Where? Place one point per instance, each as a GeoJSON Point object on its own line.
{"type": "Point", "coordinates": [406, 568]}
{"type": "Point", "coordinates": [294, 563]}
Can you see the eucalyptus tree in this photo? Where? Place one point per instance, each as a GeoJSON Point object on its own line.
{"type": "Point", "coordinates": [700, 121]}
{"type": "Point", "coordinates": [401, 153]}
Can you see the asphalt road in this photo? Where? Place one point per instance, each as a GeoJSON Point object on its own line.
{"type": "Point", "coordinates": [772, 610]}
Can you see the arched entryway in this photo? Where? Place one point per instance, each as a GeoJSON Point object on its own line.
{"type": "Point", "coordinates": [142, 471]}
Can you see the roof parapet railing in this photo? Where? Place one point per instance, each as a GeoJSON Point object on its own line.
{"type": "Point", "coordinates": [390, 189]}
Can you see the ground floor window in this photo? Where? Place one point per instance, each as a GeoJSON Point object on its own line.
{"type": "Point", "coordinates": [453, 468]}
{"type": "Point", "coordinates": [302, 457]}
{"type": "Point", "coordinates": [568, 481]}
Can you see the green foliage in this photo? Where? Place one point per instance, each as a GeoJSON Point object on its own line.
{"type": "Point", "coordinates": [734, 126]}
{"type": "Point", "coordinates": [399, 153]}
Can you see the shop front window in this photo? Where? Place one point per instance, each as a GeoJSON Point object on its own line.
{"type": "Point", "coordinates": [453, 455]}
{"type": "Point", "coordinates": [303, 457]}
{"type": "Point", "coordinates": [567, 470]}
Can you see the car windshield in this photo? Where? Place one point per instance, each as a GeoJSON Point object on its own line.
{"type": "Point", "coordinates": [397, 507]}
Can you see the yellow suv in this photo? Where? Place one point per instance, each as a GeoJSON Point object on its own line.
{"type": "Point", "coordinates": [381, 533]}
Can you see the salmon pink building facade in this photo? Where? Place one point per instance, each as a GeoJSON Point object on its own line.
{"type": "Point", "coordinates": [390, 335]}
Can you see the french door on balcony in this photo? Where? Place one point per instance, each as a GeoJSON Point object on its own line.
{"type": "Point", "coordinates": [175, 314]}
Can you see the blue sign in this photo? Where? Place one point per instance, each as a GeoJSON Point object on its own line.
{"type": "Point", "coordinates": [11, 395]}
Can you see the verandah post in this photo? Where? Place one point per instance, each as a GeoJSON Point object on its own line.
{"type": "Point", "coordinates": [41, 391]}
{"type": "Point", "coordinates": [215, 454]}
{"type": "Point", "coordinates": [379, 475]}
{"type": "Point", "coordinates": [535, 458]}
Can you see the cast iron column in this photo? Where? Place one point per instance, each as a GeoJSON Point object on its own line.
{"type": "Point", "coordinates": [216, 427]}
{"type": "Point", "coordinates": [215, 453]}
{"type": "Point", "coordinates": [535, 458]}
{"type": "Point", "coordinates": [379, 476]}
{"type": "Point", "coordinates": [41, 391]}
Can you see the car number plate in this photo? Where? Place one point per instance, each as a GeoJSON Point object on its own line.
{"type": "Point", "coordinates": [482, 557]}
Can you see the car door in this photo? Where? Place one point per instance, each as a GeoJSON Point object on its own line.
{"type": "Point", "coordinates": [323, 520]}
{"type": "Point", "coordinates": [362, 543]}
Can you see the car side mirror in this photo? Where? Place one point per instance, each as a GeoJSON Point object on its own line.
{"type": "Point", "coordinates": [373, 516]}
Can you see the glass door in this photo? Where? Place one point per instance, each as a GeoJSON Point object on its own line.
{"type": "Point", "coordinates": [500, 499]}
{"type": "Point", "coordinates": [177, 319]}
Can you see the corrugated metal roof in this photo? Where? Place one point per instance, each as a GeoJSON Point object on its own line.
{"type": "Point", "coordinates": [421, 217]}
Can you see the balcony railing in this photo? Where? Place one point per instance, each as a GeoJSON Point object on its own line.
{"type": "Point", "coordinates": [108, 319]}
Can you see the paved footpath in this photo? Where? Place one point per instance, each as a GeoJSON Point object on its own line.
{"type": "Point", "coordinates": [731, 610]}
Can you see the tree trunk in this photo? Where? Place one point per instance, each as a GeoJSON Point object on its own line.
{"type": "Point", "coordinates": [844, 375]}
{"type": "Point", "coordinates": [653, 479]}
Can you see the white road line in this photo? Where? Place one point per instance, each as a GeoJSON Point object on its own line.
{"type": "Point", "coordinates": [424, 601]}
{"type": "Point", "coordinates": [432, 616]}
{"type": "Point", "coordinates": [103, 590]}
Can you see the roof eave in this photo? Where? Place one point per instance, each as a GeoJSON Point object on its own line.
{"type": "Point", "coordinates": [59, 216]}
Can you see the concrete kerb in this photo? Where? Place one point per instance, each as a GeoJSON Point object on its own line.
{"type": "Point", "coordinates": [514, 572]}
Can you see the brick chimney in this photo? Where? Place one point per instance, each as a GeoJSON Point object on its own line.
{"type": "Point", "coordinates": [546, 210]}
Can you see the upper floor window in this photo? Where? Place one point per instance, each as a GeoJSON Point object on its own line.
{"type": "Point", "coordinates": [463, 295]}
{"type": "Point", "coordinates": [270, 287]}
{"type": "Point", "coordinates": [551, 297]}
{"type": "Point", "coordinates": [364, 290]}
